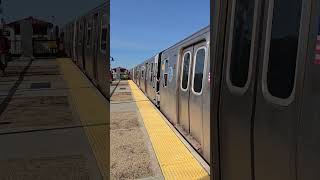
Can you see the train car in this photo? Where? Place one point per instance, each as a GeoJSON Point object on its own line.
{"type": "Point", "coordinates": [67, 39]}
{"type": "Point", "coordinates": [151, 80]}
{"type": "Point", "coordinates": [266, 93]}
{"type": "Point", "coordinates": [177, 81]}
{"type": "Point", "coordinates": [142, 80]}
{"type": "Point", "coordinates": [87, 42]}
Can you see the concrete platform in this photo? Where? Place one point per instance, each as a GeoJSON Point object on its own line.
{"type": "Point", "coordinates": [132, 156]}
{"type": "Point", "coordinates": [143, 144]}
{"type": "Point", "coordinates": [45, 132]}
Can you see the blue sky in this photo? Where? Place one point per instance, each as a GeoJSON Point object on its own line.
{"type": "Point", "coordinates": [142, 28]}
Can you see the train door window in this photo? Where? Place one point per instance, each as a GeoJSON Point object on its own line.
{"type": "Point", "coordinates": [79, 34]}
{"type": "Point", "coordinates": [165, 75]}
{"type": "Point", "coordinates": [198, 69]}
{"type": "Point", "coordinates": [147, 69]}
{"type": "Point", "coordinates": [185, 70]}
{"type": "Point", "coordinates": [151, 74]}
{"type": "Point", "coordinates": [142, 74]}
{"type": "Point", "coordinates": [240, 43]}
{"type": "Point", "coordinates": [89, 34]}
{"type": "Point", "coordinates": [280, 61]}
{"type": "Point", "coordinates": [104, 32]}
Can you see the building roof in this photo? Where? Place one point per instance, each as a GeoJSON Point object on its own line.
{"type": "Point", "coordinates": [33, 20]}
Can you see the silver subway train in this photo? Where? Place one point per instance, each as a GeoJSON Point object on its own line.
{"type": "Point", "coordinates": [265, 94]}
{"type": "Point", "coordinates": [254, 108]}
{"type": "Point", "coordinates": [86, 40]}
{"type": "Point", "coordinates": [177, 81]}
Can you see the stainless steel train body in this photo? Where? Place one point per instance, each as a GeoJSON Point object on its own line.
{"type": "Point", "coordinates": [177, 80]}
{"type": "Point", "coordinates": [87, 41]}
{"type": "Point", "coordinates": [266, 90]}
{"type": "Point", "coordinates": [150, 78]}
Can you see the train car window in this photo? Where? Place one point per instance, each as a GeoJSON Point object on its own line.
{"type": "Point", "coordinates": [148, 72]}
{"type": "Point", "coordinates": [89, 34]}
{"type": "Point", "coordinates": [185, 70]}
{"type": "Point", "coordinates": [104, 31]}
{"type": "Point", "coordinates": [281, 65]}
{"type": "Point", "coordinates": [151, 74]}
{"type": "Point", "coordinates": [165, 75]}
{"type": "Point", "coordinates": [79, 34]}
{"type": "Point", "coordinates": [142, 74]}
{"type": "Point", "coordinates": [241, 43]}
{"type": "Point", "coordinates": [198, 69]}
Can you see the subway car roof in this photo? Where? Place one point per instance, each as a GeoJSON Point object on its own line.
{"type": "Point", "coordinates": [87, 13]}
{"type": "Point", "coordinates": [194, 35]}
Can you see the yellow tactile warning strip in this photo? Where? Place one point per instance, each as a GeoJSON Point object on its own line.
{"type": "Point", "coordinates": [92, 110]}
{"type": "Point", "coordinates": [175, 160]}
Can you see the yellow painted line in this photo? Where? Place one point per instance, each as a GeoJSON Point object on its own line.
{"type": "Point", "coordinates": [175, 160]}
{"type": "Point", "coordinates": [91, 109]}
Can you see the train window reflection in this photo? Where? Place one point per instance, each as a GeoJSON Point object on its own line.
{"type": "Point", "coordinates": [283, 47]}
{"type": "Point", "coordinates": [241, 42]}
{"type": "Point", "coordinates": [185, 70]}
{"type": "Point", "coordinates": [198, 70]}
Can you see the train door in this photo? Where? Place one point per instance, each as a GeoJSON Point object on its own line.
{"type": "Point", "coordinates": [184, 88]}
{"type": "Point", "coordinates": [77, 41]}
{"type": "Point", "coordinates": [142, 77]}
{"type": "Point", "coordinates": [95, 44]}
{"type": "Point", "coordinates": [262, 80]}
{"type": "Point", "coordinates": [196, 96]}
{"type": "Point", "coordinates": [155, 73]}
{"type": "Point", "coordinates": [88, 48]}
{"type": "Point", "coordinates": [84, 34]}
{"type": "Point", "coordinates": [152, 75]}
{"type": "Point", "coordinates": [190, 92]}
{"type": "Point", "coordinates": [279, 88]}
{"type": "Point", "coordinates": [146, 78]}
{"type": "Point", "coordinates": [138, 75]}
{"type": "Point", "coordinates": [74, 42]}
{"type": "Point", "coordinates": [237, 91]}
{"type": "Point", "coordinates": [309, 139]}
{"type": "Point", "coordinates": [152, 81]}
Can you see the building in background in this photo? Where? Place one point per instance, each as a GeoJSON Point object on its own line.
{"type": "Point", "coordinates": [44, 36]}
{"type": "Point", "coordinates": [41, 30]}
